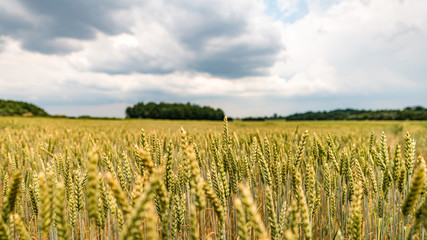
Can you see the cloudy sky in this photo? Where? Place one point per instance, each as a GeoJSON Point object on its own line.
{"type": "Point", "coordinates": [248, 57]}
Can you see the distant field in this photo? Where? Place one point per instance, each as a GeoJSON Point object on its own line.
{"type": "Point", "coordinates": [165, 125]}
{"type": "Point", "coordinates": [392, 128]}
{"type": "Point", "coordinates": [107, 179]}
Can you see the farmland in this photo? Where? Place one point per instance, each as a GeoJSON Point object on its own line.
{"type": "Point", "coordinates": [108, 179]}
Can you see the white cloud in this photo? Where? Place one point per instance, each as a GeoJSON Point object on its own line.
{"type": "Point", "coordinates": [358, 46]}
{"type": "Point", "coordinates": [288, 7]}
{"type": "Point", "coordinates": [231, 40]}
{"type": "Point", "coordinates": [53, 80]}
{"type": "Point", "coordinates": [227, 53]}
{"type": "Point", "coordinates": [148, 49]}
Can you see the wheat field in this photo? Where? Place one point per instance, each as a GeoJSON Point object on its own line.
{"type": "Point", "coordinates": [145, 179]}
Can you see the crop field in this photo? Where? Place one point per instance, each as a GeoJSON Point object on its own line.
{"type": "Point", "coordinates": [146, 179]}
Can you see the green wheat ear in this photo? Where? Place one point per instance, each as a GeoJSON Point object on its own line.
{"type": "Point", "coordinates": [4, 231]}
{"type": "Point", "coordinates": [292, 220]}
{"type": "Point", "coordinates": [218, 208]}
{"type": "Point", "coordinates": [252, 213]}
{"type": "Point", "coordinates": [47, 196]}
{"type": "Point", "coordinates": [241, 220]}
{"type": "Point", "coordinates": [304, 212]}
{"type": "Point", "coordinates": [92, 186]}
{"type": "Point", "coordinates": [162, 205]}
{"type": "Point", "coordinates": [414, 191]}
{"type": "Point", "coordinates": [60, 212]}
{"type": "Point", "coordinates": [142, 206]}
{"type": "Point", "coordinates": [194, 224]}
{"type": "Point", "coordinates": [338, 235]}
{"type": "Point", "coordinates": [355, 211]}
{"type": "Point", "coordinates": [19, 226]}
{"type": "Point", "coordinates": [118, 193]}
{"type": "Point", "coordinates": [271, 212]}
{"type": "Point", "coordinates": [12, 196]}
{"type": "Point", "coordinates": [409, 153]}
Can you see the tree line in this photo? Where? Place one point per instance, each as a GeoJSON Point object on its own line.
{"type": "Point", "coordinates": [17, 108]}
{"type": "Point", "coordinates": [408, 113]}
{"type": "Point", "coordinates": [173, 111]}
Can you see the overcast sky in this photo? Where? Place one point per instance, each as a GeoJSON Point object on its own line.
{"type": "Point", "coordinates": [248, 57]}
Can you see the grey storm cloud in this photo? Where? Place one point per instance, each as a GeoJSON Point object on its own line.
{"type": "Point", "coordinates": [238, 61]}
{"type": "Point", "coordinates": [1, 45]}
{"type": "Point", "coordinates": [233, 60]}
{"type": "Point", "coordinates": [76, 19]}
{"type": "Point", "coordinates": [191, 24]}
{"type": "Point", "coordinates": [11, 24]}
{"type": "Point", "coordinates": [199, 22]}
